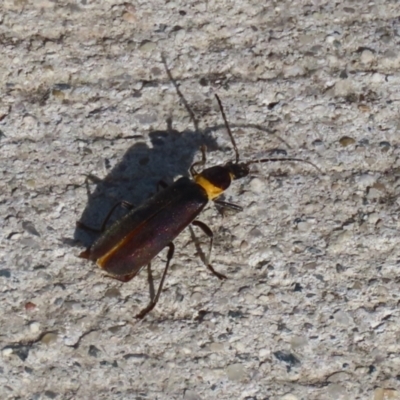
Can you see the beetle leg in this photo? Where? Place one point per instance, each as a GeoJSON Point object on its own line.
{"type": "Point", "coordinates": [201, 162]}
{"type": "Point", "coordinates": [154, 301]}
{"type": "Point", "coordinates": [231, 206]}
{"type": "Point", "coordinates": [150, 280]}
{"type": "Point", "coordinates": [210, 234]}
{"type": "Point", "coordinates": [123, 203]}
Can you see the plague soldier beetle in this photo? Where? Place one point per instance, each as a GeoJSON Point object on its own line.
{"type": "Point", "coordinates": [134, 240]}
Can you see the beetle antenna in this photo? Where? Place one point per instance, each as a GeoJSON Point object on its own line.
{"type": "Point", "coordinates": [228, 129]}
{"type": "Point", "coordinates": [263, 160]}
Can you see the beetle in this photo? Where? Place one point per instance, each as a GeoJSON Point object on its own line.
{"type": "Point", "coordinates": [134, 240]}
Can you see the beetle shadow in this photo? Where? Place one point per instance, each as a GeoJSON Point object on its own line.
{"type": "Point", "coordinates": [135, 178]}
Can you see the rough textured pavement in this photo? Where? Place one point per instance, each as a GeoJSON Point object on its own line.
{"type": "Point", "coordinates": [311, 306]}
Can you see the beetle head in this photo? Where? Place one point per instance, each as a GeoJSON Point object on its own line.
{"type": "Point", "coordinates": [237, 170]}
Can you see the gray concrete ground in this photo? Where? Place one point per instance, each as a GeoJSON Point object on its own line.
{"type": "Point", "coordinates": [310, 309]}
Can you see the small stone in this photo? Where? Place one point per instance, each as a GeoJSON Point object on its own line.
{"type": "Point", "coordinates": [303, 226]}
{"type": "Point", "coordinates": [112, 293]}
{"type": "Point", "coordinates": [364, 180]}
{"type": "Point", "coordinates": [29, 242]}
{"type": "Point", "coordinates": [362, 370]}
{"type": "Point", "coordinates": [364, 108]}
{"type": "Point", "coordinates": [379, 186]}
{"type": "Point", "coordinates": [50, 394]}
{"type": "Point", "coordinates": [34, 327]}
{"type": "Point", "coordinates": [129, 17]}
{"type": "Point", "coordinates": [94, 351]}
{"type": "Point", "coordinates": [155, 71]}
{"type": "Point", "coordinates": [115, 329]}
{"type": "Point", "coordinates": [146, 118]}
{"type": "Point", "coordinates": [255, 233]}
{"type": "Point", "coordinates": [384, 145]}
{"type": "Point", "coordinates": [287, 358]}
{"type": "Point", "coordinates": [293, 70]}
{"type": "Point", "coordinates": [240, 347]}
{"type": "Point", "coordinates": [336, 391]}
{"type": "Point", "coordinates": [377, 77]}
{"type": "Point", "coordinates": [236, 372]}
{"type": "Point", "coordinates": [196, 297]}
{"type": "Point", "coordinates": [58, 94]}
{"type": "Point", "coordinates": [49, 338]}
{"type": "Point", "coordinates": [30, 228]}
{"type": "Point", "coordinates": [386, 394]}
{"type": "Point", "coordinates": [343, 318]}
{"type": "Point", "coordinates": [186, 350]}
{"type": "Point", "coordinates": [298, 342]}
{"type": "Point", "coordinates": [263, 353]}
{"type": "Point", "coordinates": [318, 143]}
{"type": "Point", "coordinates": [7, 352]}
{"type": "Point", "coordinates": [343, 88]}
{"type": "Point", "coordinates": [289, 396]}
{"type": "Point", "coordinates": [333, 61]}
{"type": "Point", "coordinates": [44, 4]}
{"type": "Point", "coordinates": [29, 121]}
{"type": "Point", "coordinates": [191, 395]}
{"type": "Point", "coordinates": [244, 246]}
{"type": "Point", "coordinates": [147, 46]}
{"type": "Point", "coordinates": [339, 377]}
{"type": "Point", "coordinates": [367, 56]}
{"type": "Point", "coordinates": [29, 306]}
{"type": "Point", "coordinates": [263, 299]}
{"type": "Point", "coordinates": [373, 193]}
{"type": "Point", "coordinates": [235, 314]}
{"type": "Point", "coordinates": [217, 347]}
{"type": "Point", "coordinates": [390, 54]}
{"type": "Point", "coordinates": [180, 33]}
{"type": "Point", "coordinates": [310, 266]}
{"type": "Point", "coordinates": [257, 185]}
{"type": "Point", "coordinates": [339, 239]}
{"type": "Point", "coordinates": [373, 218]}
{"type": "Point", "coordinates": [30, 183]}
{"type": "Point", "coordinates": [5, 273]}
{"type": "Point", "coordinates": [330, 39]}
{"type": "Point", "coordinates": [346, 141]}
{"type": "Point", "coordinates": [306, 39]}
{"type": "Point", "coordinates": [15, 236]}
{"type": "Point", "coordinates": [249, 298]}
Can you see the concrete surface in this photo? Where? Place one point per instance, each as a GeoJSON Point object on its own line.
{"type": "Point", "coordinates": [311, 306]}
